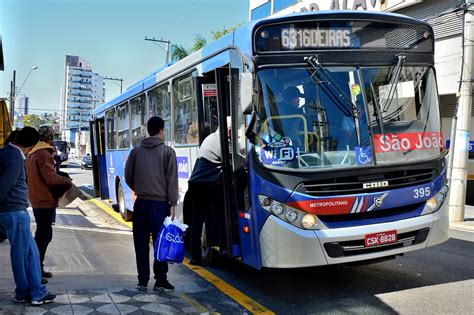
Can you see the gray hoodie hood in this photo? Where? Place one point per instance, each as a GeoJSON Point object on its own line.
{"type": "Point", "coordinates": [151, 142]}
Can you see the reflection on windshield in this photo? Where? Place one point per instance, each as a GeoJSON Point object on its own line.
{"type": "Point", "coordinates": [308, 120]}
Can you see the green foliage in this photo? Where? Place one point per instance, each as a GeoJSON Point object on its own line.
{"type": "Point", "coordinates": [199, 42]}
{"type": "Point", "coordinates": [218, 34]}
{"type": "Point", "coordinates": [32, 121]}
{"type": "Point", "coordinates": [178, 52]}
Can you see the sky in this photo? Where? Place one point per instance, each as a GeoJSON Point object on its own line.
{"type": "Point", "coordinates": [109, 34]}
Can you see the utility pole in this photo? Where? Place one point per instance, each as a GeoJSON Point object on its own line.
{"type": "Point", "coordinates": [460, 150]}
{"type": "Point", "coordinates": [161, 40]}
{"type": "Point", "coordinates": [12, 97]}
{"type": "Point", "coordinates": [116, 79]}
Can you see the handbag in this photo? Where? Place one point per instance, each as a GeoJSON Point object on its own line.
{"type": "Point", "coordinates": [169, 245]}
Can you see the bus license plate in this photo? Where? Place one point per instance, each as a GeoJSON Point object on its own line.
{"type": "Point", "coordinates": [381, 238]}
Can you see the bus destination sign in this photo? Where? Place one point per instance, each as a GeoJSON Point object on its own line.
{"type": "Point", "coordinates": [302, 38]}
{"type": "Point", "coordinates": [334, 34]}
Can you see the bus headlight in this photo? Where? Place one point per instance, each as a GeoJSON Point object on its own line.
{"type": "Point", "coordinates": [308, 221]}
{"type": "Point", "coordinates": [431, 205]}
{"type": "Point", "coordinates": [434, 203]}
{"type": "Point", "coordinates": [278, 208]}
{"type": "Point", "coordinates": [291, 216]}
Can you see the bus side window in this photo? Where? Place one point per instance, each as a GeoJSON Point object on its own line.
{"type": "Point", "coordinates": [111, 133]}
{"type": "Point", "coordinates": [160, 105]}
{"type": "Point", "coordinates": [138, 119]}
{"type": "Point", "coordinates": [185, 107]}
{"type": "Point", "coordinates": [122, 125]}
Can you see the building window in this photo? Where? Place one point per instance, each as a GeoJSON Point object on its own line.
{"type": "Point", "coordinates": [279, 5]}
{"type": "Point", "coordinates": [185, 111]}
{"type": "Point", "coordinates": [138, 119]}
{"type": "Point", "coordinates": [123, 126]}
{"type": "Point", "coordinates": [160, 105]}
{"type": "Point", "coordinates": [262, 11]}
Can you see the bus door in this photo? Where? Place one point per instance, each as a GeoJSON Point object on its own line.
{"type": "Point", "coordinates": [234, 172]}
{"type": "Point", "coordinates": [99, 167]}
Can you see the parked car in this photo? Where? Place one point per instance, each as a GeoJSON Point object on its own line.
{"type": "Point", "coordinates": [86, 162]}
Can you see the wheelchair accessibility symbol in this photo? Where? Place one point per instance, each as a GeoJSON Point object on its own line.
{"type": "Point", "coordinates": [363, 155]}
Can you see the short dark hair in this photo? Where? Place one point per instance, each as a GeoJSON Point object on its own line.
{"type": "Point", "coordinates": [27, 137]}
{"type": "Point", "coordinates": [154, 125]}
{"type": "Point", "coordinates": [12, 136]}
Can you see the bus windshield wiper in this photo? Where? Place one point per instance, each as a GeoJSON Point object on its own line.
{"type": "Point", "coordinates": [393, 81]}
{"type": "Point", "coordinates": [327, 78]}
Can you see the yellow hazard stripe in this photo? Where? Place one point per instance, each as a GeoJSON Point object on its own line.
{"type": "Point", "coordinates": [110, 212]}
{"type": "Point", "coordinates": [238, 296]}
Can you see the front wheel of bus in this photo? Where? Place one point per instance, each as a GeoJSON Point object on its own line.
{"type": "Point", "coordinates": [126, 215]}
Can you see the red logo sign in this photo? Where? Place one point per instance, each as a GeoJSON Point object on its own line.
{"type": "Point", "coordinates": [325, 206]}
{"type": "Point", "coordinates": [210, 93]}
{"type": "Point", "coordinates": [402, 142]}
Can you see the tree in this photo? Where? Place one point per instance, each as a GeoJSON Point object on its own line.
{"type": "Point", "coordinates": [218, 34]}
{"type": "Point", "coordinates": [199, 42]}
{"type": "Point", "coordinates": [178, 52]}
{"type": "Point", "coordinates": [32, 121]}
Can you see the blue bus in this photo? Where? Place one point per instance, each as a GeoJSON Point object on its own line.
{"type": "Point", "coordinates": [336, 153]}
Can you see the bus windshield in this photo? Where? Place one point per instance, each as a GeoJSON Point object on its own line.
{"type": "Point", "coordinates": [325, 117]}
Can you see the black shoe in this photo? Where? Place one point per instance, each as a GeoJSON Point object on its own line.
{"type": "Point", "coordinates": [195, 262]}
{"type": "Point", "coordinates": [48, 298]}
{"type": "Point", "coordinates": [47, 274]}
{"type": "Point", "coordinates": [163, 286]}
{"type": "Point", "coordinates": [19, 299]}
{"type": "Point", "coordinates": [44, 280]}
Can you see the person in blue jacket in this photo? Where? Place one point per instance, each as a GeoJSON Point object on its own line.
{"type": "Point", "coordinates": [14, 218]}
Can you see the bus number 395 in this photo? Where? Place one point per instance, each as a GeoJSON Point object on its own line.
{"type": "Point", "coordinates": [421, 192]}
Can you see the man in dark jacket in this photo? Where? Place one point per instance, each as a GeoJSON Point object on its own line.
{"type": "Point", "coordinates": [151, 172]}
{"type": "Point", "coordinates": [205, 186]}
{"type": "Point", "coordinates": [15, 219]}
{"type": "Point", "coordinates": [43, 182]}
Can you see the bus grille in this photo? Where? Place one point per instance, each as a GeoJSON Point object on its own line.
{"type": "Point", "coordinates": [357, 247]}
{"type": "Point", "coordinates": [354, 184]}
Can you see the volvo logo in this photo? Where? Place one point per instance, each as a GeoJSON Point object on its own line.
{"type": "Point", "coordinates": [372, 185]}
{"type": "Point", "coordinates": [378, 202]}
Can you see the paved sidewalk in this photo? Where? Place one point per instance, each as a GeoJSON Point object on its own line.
{"type": "Point", "coordinates": [464, 230]}
{"type": "Point", "coordinates": [95, 273]}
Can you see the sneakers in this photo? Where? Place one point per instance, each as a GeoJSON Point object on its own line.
{"type": "Point", "coordinates": [22, 299]}
{"type": "Point", "coordinates": [47, 274]}
{"type": "Point", "coordinates": [163, 286]}
{"type": "Point", "coordinates": [44, 280]}
{"type": "Point", "coordinates": [48, 298]}
{"type": "Point", "coordinates": [141, 288]}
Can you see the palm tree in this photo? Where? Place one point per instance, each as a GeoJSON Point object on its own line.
{"type": "Point", "coordinates": [199, 42]}
{"type": "Point", "coordinates": [178, 52]}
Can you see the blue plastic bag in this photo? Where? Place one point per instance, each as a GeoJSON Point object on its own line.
{"type": "Point", "coordinates": [169, 246]}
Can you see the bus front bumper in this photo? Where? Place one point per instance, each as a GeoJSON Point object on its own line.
{"type": "Point", "coordinates": [286, 246]}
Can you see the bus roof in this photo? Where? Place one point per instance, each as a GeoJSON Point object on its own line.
{"type": "Point", "coordinates": [242, 38]}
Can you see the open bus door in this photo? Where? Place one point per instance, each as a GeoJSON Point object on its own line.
{"type": "Point", "coordinates": [99, 167]}
{"type": "Point", "coordinates": [233, 159]}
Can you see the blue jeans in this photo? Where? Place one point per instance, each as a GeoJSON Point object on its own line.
{"type": "Point", "coordinates": [24, 255]}
{"type": "Point", "coordinates": [148, 217]}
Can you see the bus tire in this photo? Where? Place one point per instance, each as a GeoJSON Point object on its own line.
{"type": "Point", "coordinates": [126, 215]}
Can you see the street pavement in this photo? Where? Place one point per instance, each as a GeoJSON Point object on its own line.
{"type": "Point", "coordinates": [93, 263]}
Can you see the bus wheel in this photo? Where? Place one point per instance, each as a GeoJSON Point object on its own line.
{"type": "Point", "coordinates": [126, 215]}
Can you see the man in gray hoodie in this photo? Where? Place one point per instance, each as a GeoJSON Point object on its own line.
{"type": "Point", "coordinates": [151, 172]}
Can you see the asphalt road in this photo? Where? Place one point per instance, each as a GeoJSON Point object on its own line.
{"type": "Point", "coordinates": [437, 280]}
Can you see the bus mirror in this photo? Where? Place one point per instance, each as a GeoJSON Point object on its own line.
{"type": "Point", "coordinates": [250, 131]}
{"type": "Point", "coordinates": [246, 92]}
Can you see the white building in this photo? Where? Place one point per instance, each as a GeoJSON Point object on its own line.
{"type": "Point", "coordinates": [83, 89]}
{"type": "Point", "coordinates": [22, 104]}
{"type": "Point", "coordinates": [448, 30]}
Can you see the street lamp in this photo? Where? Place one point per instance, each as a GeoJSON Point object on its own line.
{"type": "Point", "coordinates": [16, 94]}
